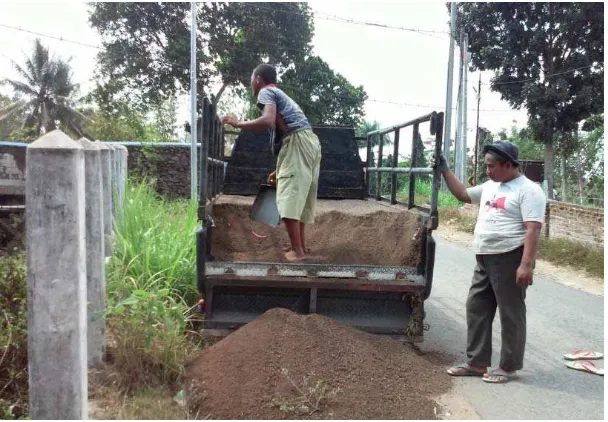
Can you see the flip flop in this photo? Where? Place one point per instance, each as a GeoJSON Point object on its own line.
{"type": "Point", "coordinates": [504, 376]}
{"type": "Point", "coordinates": [584, 355]}
{"type": "Point", "coordinates": [586, 366]}
{"type": "Point", "coordinates": [463, 370]}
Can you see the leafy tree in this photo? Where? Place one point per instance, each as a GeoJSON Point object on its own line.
{"type": "Point", "coordinates": [325, 97]}
{"type": "Point", "coordinates": [583, 166]}
{"type": "Point", "coordinates": [547, 57]}
{"type": "Point", "coordinates": [165, 119]}
{"type": "Point", "coordinates": [129, 126]}
{"type": "Point", "coordinates": [45, 94]}
{"type": "Point", "coordinates": [529, 148]}
{"type": "Point", "coordinates": [147, 45]}
{"type": "Point", "coordinates": [112, 118]}
{"type": "Point", "coordinates": [147, 52]}
{"type": "Point", "coordinates": [11, 123]}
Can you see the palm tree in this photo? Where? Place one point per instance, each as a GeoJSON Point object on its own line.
{"type": "Point", "coordinates": [45, 94]}
{"type": "Point", "coordinates": [364, 128]}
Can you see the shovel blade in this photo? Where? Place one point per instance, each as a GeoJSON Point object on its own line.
{"type": "Point", "coordinates": [264, 209]}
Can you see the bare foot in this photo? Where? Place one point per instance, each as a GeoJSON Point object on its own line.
{"type": "Point", "coordinates": [306, 250]}
{"type": "Point", "coordinates": [292, 256]}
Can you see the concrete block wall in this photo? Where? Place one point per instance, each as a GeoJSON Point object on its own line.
{"type": "Point", "coordinates": [168, 162]}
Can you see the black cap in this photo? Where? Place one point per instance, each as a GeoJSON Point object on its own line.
{"type": "Point", "coordinates": [505, 149]}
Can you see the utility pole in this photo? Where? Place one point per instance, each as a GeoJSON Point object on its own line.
{"type": "Point", "coordinates": [447, 129]}
{"type": "Point", "coordinates": [457, 146]}
{"type": "Point", "coordinates": [193, 111]}
{"type": "Point", "coordinates": [477, 131]}
{"type": "Point", "coordinates": [463, 143]}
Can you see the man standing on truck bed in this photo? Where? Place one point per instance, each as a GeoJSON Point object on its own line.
{"type": "Point", "coordinates": [506, 238]}
{"type": "Point", "coordinates": [299, 158]}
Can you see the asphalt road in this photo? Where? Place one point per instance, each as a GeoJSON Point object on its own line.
{"type": "Point", "coordinates": [560, 320]}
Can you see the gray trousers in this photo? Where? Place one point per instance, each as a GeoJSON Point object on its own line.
{"type": "Point", "coordinates": [494, 286]}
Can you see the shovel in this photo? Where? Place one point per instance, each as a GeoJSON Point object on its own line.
{"type": "Point", "coordinates": [264, 209]}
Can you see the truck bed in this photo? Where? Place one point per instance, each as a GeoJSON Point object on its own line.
{"type": "Point", "coordinates": [367, 266]}
{"type": "Point", "coordinates": [345, 232]}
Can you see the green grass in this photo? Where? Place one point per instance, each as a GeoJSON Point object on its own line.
{"type": "Point", "coordinates": [155, 245]}
{"type": "Point", "coordinates": [424, 190]}
{"type": "Point", "coordinates": [555, 250]}
{"type": "Point", "coordinates": [452, 215]}
{"type": "Point", "coordinates": [151, 289]}
{"type": "Point", "coordinates": [575, 254]}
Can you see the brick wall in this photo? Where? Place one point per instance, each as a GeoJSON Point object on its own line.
{"type": "Point", "coordinates": [568, 221]}
{"type": "Point", "coordinates": [574, 222]}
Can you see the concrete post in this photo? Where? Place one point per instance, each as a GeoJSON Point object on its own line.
{"type": "Point", "coordinates": [106, 173]}
{"type": "Point", "coordinates": [125, 167]}
{"type": "Point", "coordinates": [96, 280]}
{"type": "Point", "coordinates": [122, 171]}
{"type": "Point", "coordinates": [114, 178]}
{"type": "Point", "coordinates": [56, 266]}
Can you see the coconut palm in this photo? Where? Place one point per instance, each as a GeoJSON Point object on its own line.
{"type": "Point", "coordinates": [45, 94]}
{"type": "Point", "coordinates": [365, 127]}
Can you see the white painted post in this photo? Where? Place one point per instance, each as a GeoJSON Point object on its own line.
{"type": "Point", "coordinates": [106, 172]}
{"type": "Point", "coordinates": [96, 277]}
{"type": "Point", "coordinates": [56, 266]}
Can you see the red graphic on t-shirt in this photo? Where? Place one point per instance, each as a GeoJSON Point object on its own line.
{"type": "Point", "coordinates": [498, 204]}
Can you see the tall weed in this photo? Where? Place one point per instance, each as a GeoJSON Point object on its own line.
{"type": "Point", "coordinates": [155, 245]}
{"type": "Point", "coordinates": [423, 191]}
{"type": "Point", "coordinates": [151, 285]}
{"type": "Point", "coordinates": [13, 336]}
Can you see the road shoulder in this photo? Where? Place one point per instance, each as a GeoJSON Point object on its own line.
{"type": "Point", "coordinates": [564, 275]}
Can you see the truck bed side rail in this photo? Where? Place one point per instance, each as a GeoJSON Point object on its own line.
{"type": "Point", "coordinates": [377, 137]}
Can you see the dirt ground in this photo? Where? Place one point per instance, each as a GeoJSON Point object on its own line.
{"type": "Point", "coordinates": [344, 232]}
{"type": "Point", "coordinates": [258, 372]}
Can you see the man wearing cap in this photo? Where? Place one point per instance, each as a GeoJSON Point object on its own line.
{"type": "Point", "coordinates": [506, 239]}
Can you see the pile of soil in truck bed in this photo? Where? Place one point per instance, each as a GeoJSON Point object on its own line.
{"type": "Point", "coordinates": [344, 232]}
{"type": "Point", "coordinates": [249, 374]}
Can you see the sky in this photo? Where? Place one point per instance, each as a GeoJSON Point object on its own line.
{"type": "Point", "coordinates": [403, 72]}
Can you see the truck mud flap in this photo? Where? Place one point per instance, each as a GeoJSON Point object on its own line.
{"type": "Point", "coordinates": [429, 264]}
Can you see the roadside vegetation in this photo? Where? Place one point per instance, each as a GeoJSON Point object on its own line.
{"type": "Point", "coordinates": [557, 251]}
{"type": "Point", "coordinates": [152, 305]}
{"type": "Point", "coordinates": [151, 314]}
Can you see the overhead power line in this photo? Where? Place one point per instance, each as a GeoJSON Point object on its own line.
{"type": "Point", "coordinates": [342, 19]}
{"type": "Point", "coordinates": [521, 81]}
{"type": "Point", "coordinates": [374, 100]}
{"type": "Point", "coordinates": [50, 36]}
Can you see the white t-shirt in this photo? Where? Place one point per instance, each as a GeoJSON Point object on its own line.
{"type": "Point", "coordinates": [503, 208]}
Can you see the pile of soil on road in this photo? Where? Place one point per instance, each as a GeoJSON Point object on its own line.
{"type": "Point", "coordinates": [336, 237]}
{"type": "Point", "coordinates": [241, 376]}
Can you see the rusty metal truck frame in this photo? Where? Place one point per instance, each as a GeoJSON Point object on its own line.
{"type": "Point", "coordinates": [378, 299]}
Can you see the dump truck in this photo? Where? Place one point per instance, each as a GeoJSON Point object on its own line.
{"type": "Point", "coordinates": [239, 271]}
